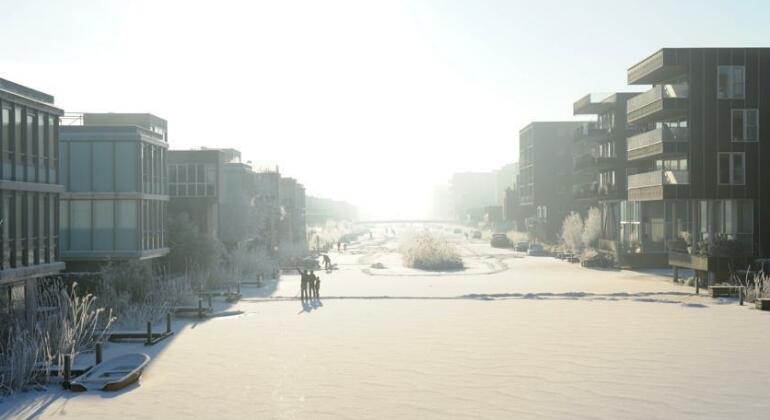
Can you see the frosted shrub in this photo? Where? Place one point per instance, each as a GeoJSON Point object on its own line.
{"type": "Point", "coordinates": [572, 232]}
{"type": "Point", "coordinates": [758, 288]}
{"type": "Point", "coordinates": [516, 236]}
{"type": "Point", "coordinates": [77, 325]}
{"type": "Point", "coordinates": [135, 294]}
{"type": "Point", "coordinates": [22, 353]}
{"type": "Point", "coordinates": [426, 251]}
{"type": "Point", "coordinates": [592, 228]}
{"type": "Point", "coordinates": [69, 325]}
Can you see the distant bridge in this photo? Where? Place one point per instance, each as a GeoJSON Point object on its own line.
{"type": "Point", "coordinates": [423, 221]}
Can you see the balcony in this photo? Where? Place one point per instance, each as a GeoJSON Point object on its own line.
{"type": "Point", "coordinates": [594, 103]}
{"type": "Point", "coordinates": [660, 143]}
{"type": "Point", "coordinates": [657, 185]}
{"type": "Point", "coordinates": [660, 66]}
{"type": "Point", "coordinates": [662, 102]}
{"type": "Point", "coordinates": [591, 161]}
{"type": "Point", "coordinates": [595, 191]}
{"type": "Point", "coordinates": [590, 133]}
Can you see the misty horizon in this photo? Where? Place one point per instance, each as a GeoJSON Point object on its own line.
{"type": "Point", "coordinates": [356, 116]}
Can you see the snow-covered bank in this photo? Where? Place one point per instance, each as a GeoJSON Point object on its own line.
{"type": "Point", "coordinates": [540, 339]}
{"type": "Point", "coordinates": [439, 359]}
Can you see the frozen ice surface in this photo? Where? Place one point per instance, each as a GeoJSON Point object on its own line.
{"type": "Point", "coordinates": [523, 338]}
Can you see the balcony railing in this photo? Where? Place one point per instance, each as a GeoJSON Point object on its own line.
{"type": "Point", "coordinates": [658, 178]}
{"type": "Point", "coordinates": [590, 160]}
{"type": "Point", "coordinates": [589, 132]}
{"type": "Point", "coordinates": [658, 135]}
{"type": "Point", "coordinates": [657, 93]}
{"type": "Point", "coordinates": [593, 190]}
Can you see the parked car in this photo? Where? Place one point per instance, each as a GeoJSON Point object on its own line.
{"type": "Point", "coordinates": [476, 234]}
{"type": "Point", "coordinates": [522, 246]}
{"type": "Point", "coordinates": [536, 250]}
{"type": "Point", "coordinates": [500, 240]}
{"type": "Point", "coordinates": [598, 260]}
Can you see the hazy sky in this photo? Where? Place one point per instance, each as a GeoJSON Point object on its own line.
{"type": "Point", "coordinates": [369, 102]}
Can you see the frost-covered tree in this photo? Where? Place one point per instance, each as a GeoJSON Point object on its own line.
{"type": "Point", "coordinates": [592, 227]}
{"type": "Point", "coordinates": [572, 231]}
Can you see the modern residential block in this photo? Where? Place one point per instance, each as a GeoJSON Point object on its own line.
{"type": "Point", "coordinates": [29, 194]}
{"type": "Point", "coordinates": [195, 183]}
{"type": "Point", "coordinates": [701, 188]}
{"type": "Point", "coordinates": [600, 166]}
{"type": "Point", "coordinates": [545, 176]}
{"type": "Point", "coordinates": [114, 170]}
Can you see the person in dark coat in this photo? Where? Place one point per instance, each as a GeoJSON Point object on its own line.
{"type": "Point", "coordinates": [311, 278]}
{"type": "Point", "coordinates": [303, 290]}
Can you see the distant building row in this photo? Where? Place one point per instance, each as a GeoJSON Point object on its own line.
{"type": "Point", "coordinates": [676, 170]}
{"type": "Point", "coordinates": [101, 187]}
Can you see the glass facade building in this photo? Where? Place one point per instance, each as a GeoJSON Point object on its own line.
{"type": "Point", "coordinates": [29, 194]}
{"type": "Point", "coordinates": [195, 180]}
{"type": "Point", "coordinates": [115, 176]}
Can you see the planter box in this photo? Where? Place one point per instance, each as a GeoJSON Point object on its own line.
{"type": "Point", "coordinates": [684, 260]}
{"type": "Point", "coordinates": [763, 304]}
{"type": "Point", "coordinates": [724, 291]}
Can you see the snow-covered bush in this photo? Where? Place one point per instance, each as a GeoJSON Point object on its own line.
{"type": "Point", "coordinates": [327, 235]}
{"type": "Point", "coordinates": [69, 325]}
{"type": "Point", "coordinates": [516, 236]}
{"type": "Point", "coordinates": [22, 352]}
{"type": "Point", "coordinates": [136, 294]}
{"type": "Point", "coordinates": [245, 264]}
{"type": "Point", "coordinates": [572, 232]}
{"type": "Point", "coordinates": [756, 288]}
{"type": "Point", "coordinates": [592, 227]}
{"type": "Point", "coordinates": [77, 325]}
{"type": "Point", "coordinates": [427, 251]}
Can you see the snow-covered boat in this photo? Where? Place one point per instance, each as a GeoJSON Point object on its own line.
{"type": "Point", "coordinates": [112, 374]}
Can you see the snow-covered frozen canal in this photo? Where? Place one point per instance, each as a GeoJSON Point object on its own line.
{"type": "Point", "coordinates": [511, 337]}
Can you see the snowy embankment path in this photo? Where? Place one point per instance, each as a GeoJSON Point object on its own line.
{"type": "Point", "coordinates": [541, 339]}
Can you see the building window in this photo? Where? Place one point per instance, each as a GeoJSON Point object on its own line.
{"type": "Point", "coordinates": [731, 82]}
{"type": "Point", "coordinates": [745, 124]}
{"type": "Point", "coordinates": [732, 168]}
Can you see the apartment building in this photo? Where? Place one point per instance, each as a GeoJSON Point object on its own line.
{"type": "Point", "coordinates": [292, 227]}
{"type": "Point", "coordinates": [599, 166]}
{"type": "Point", "coordinates": [545, 176]}
{"type": "Point", "coordinates": [268, 185]}
{"type": "Point", "coordinates": [114, 170]}
{"type": "Point", "coordinates": [195, 179]}
{"type": "Point", "coordinates": [238, 218]}
{"type": "Point", "coordinates": [701, 186]}
{"type": "Point", "coordinates": [29, 193]}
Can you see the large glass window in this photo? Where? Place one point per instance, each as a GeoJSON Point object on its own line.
{"type": "Point", "coordinates": [103, 167]}
{"type": "Point", "coordinates": [40, 170]}
{"type": "Point", "coordinates": [5, 254]}
{"type": "Point", "coordinates": [64, 224]}
{"type": "Point", "coordinates": [745, 125]}
{"type": "Point", "coordinates": [50, 151]}
{"type": "Point", "coordinates": [80, 166]}
{"type": "Point", "coordinates": [126, 166]}
{"type": "Point", "coordinates": [731, 82]}
{"type": "Point", "coordinates": [29, 146]}
{"type": "Point", "coordinates": [80, 229]}
{"type": "Point", "coordinates": [5, 138]}
{"type": "Point", "coordinates": [732, 168]}
{"type": "Point", "coordinates": [104, 225]}
{"type": "Point", "coordinates": [126, 228]}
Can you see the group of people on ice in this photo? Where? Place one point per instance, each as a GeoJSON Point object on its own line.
{"type": "Point", "coordinates": [310, 285]}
